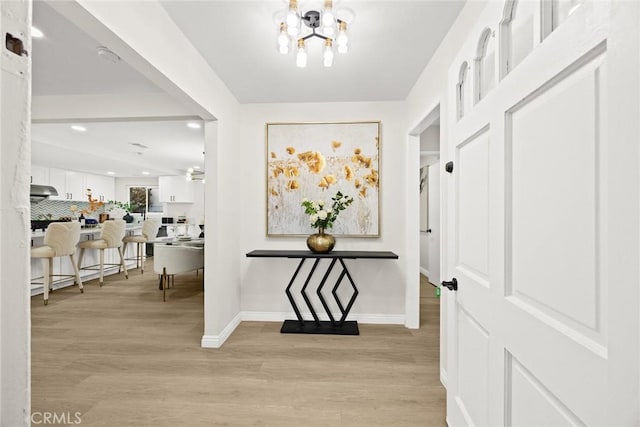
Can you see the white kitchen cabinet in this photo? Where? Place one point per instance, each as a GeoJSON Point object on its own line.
{"type": "Point", "coordinates": [69, 184]}
{"type": "Point", "coordinates": [175, 189]}
{"type": "Point", "coordinates": [39, 175]}
{"type": "Point", "coordinates": [102, 187]}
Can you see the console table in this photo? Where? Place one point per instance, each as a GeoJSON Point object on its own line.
{"type": "Point", "coordinates": [336, 326]}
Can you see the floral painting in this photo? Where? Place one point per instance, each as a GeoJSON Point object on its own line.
{"type": "Point", "coordinates": [314, 161]}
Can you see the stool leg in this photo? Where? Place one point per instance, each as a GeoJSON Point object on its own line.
{"type": "Point", "coordinates": [140, 258]}
{"type": "Point", "coordinates": [51, 274]}
{"type": "Point", "coordinates": [78, 279]}
{"type": "Point", "coordinates": [124, 267]}
{"type": "Point", "coordinates": [80, 258]}
{"type": "Point", "coordinates": [47, 278]}
{"type": "Point", "coordinates": [101, 266]}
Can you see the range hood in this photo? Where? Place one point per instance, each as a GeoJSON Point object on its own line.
{"type": "Point", "coordinates": [41, 192]}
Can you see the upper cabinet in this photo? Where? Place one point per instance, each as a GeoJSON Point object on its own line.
{"type": "Point", "coordinates": [70, 184]}
{"type": "Point", "coordinates": [175, 189]}
{"type": "Point", "coordinates": [73, 185]}
{"type": "Point", "coordinates": [39, 175]}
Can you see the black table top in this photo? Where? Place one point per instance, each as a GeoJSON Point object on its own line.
{"type": "Point", "coordinates": [266, 253]}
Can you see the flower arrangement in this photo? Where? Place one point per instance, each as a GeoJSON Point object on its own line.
{"type": "Point", "coordinates": [127, 207]}
{"type": "Point", "coordinates": [322, 217]}
{"type": "Point", "coordinates": [94, 204]}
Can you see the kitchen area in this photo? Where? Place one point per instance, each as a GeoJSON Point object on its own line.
{"type": "Point", "coordinates": [76, 176]}
{"type": "Point", "coordinates": [106, 143]}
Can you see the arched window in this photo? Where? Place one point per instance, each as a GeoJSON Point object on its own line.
{"type": "Point", "coordinates": [555, 12]}
{"type": "Point", "coordinates": [461, 88]}
{"type": "Point", "coordinates": [519, 33]}
{"type": "Point", "coordinates": [485, 64]}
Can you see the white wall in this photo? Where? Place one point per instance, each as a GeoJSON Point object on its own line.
{"type": "Point", "coordinates": [381, 283]}
{"type": "Point", "coordinates": [430, 139]}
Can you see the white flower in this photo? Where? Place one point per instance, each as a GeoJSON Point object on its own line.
{"type": "Point", "coordinates": [322, 214]}
{"type": "Point", "coordinates": [320, 203]}
{"type": "Point", "coordinates": [313, 218]}
{"type": "Point", "coordinates": [305, 200]}
{"type": "Point", "coordinates": [315, 206]}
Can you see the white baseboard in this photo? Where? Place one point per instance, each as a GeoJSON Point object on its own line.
{"type": "Point", "coordinates": [216, 341]}
{"type": "Point", "coordinates": [424, 271]}
{"type": "Point", "coordinates": [372, 319]}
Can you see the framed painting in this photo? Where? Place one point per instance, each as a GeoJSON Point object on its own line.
{"type": "Point", "coordinates": [316, 160]}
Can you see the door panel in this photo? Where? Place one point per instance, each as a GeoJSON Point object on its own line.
{"type": "Point", "coordinates": [530, 403]}
{"type": "Point", "coordinates": [473, 202]}
{"type": "Point", "coordinates": [473, 370]}
{"type": "Point", "coordinates": [555, 209]}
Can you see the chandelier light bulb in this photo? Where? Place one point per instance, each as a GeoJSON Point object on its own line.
{"type": "Point", "coordinates": [301, 57]}
{"type": "Point", "coordinates": [342, 39]}
{"type": "Point", "coordinates": [283, 38]}
{"type": "Point", "coordinates": [328, 18]}
{"type": "Point", "coordinates": [343, 49]}
{"type": "Point", "coordinates": [293, 18]}
{"type": "Point", "coordinates": [328, 53]}
{"type": "Point", "coordinates": [283, 49]}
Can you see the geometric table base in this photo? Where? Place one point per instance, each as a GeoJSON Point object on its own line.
{"type": "Point", "coordinates": [337, 323]}
{"type": "Point", "coordinates": [350, 327]}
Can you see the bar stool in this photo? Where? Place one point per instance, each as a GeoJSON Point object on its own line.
{"type": "Point", "coordinates": [60, 239]}
{"type": "Point", "coordinates": [150, 229]}
{"type": "Point", "coordinates": [111, 237]}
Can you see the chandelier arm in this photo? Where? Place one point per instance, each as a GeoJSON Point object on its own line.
{"type": "Point", "coordinates": [314, 34]}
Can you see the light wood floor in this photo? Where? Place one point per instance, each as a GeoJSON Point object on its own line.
{"type": "Point", "coordinates": [122, 357]}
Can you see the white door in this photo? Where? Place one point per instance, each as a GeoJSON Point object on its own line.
{"type": "Point", "coordinates": [433, 236]}
{"type": "Point", "coordinates": [544, 232]}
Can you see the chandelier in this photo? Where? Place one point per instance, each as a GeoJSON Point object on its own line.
{"type": "Point", "coordinates": [324, 25]}
{"type": "Point", "coordinates": [194, 175]}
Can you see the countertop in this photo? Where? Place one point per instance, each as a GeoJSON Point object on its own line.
{"type": "Point", "coordinates": [89, 230]}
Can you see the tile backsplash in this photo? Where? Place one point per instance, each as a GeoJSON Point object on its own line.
{"type": "Point", "coordinates": [60, 208]}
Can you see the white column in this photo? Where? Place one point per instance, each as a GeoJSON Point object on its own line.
{"type": "Point", "coordinates": [15, 155]}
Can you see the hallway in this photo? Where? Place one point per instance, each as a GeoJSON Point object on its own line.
{"type": "Point", "coordinates": [119, 356]}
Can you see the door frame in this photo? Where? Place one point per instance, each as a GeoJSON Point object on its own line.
{"type": "Point", "coordinates": [412, 229]}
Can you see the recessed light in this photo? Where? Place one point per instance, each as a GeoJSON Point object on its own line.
{"type": "Point", "coordinates": [196, 167]}
{"type": "Point", "coordinates": [111, 173]}
{"type": "Point", "coordinates": [36, 33]}
{"type": "Point", "coordinates": [107, 54]}
{"type": "Point", "coordinates": [193, 125]}
{"type": "Point", "coordinates": [79, 128]}
{"type": "Point", "coordinates": [145, 173]}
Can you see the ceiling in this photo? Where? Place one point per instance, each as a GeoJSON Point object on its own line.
{"type": "Point", "coordinates": [126, 148]}
{"type": "Point", "coordinates": [391, 43]}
